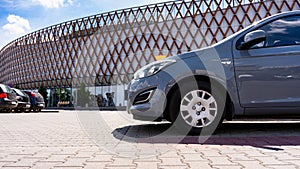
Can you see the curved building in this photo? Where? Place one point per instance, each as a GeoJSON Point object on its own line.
{"type": "Point", "coordinates": [106, 49]}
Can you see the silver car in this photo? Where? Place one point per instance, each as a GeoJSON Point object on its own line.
{"type": "Point", "coordinates": [256, 71]}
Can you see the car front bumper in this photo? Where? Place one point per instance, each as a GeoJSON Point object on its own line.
{"type": "Point", "coordinates": [23, 105]}
{"type": "Point", "coordinates": [8, 104]}
{"type": "Point", "coordinates": [152, 107]}
{"type": "Point", "coordinates": [39, 105]}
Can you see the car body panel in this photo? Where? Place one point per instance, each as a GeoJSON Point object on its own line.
{"type": "Point", "coordinates": [37, 101]}
{"type": "Point", "coordinates": [23, 100]}
{"type": "Point", "coordinates": [267, 82]}
{"type": "Point", "coordinates": [10, 101]}
{"type": "Point", "coordinates": [269, 76]}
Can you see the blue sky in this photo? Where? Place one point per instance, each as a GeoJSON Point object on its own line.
{"type": "Point", "coordinates": [19, 17]}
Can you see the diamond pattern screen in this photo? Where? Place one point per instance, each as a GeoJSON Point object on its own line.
{"type": "Point", "coordinates": [106, 49]}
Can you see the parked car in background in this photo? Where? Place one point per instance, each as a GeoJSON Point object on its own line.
{"type": "Point", "coordinates": [36, 100]}
{"type": "Point", "coordinates": [8, 99]}
{"type": "Point", "coordinates": [254, 72]}
{"type": "Point", "coordinates": [23, 101]}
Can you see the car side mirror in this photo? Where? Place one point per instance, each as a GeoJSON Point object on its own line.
{"type": "Point", "coordinates": [252, 38]}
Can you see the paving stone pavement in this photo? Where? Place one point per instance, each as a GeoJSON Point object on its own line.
{"type": "Point", "coordinates": [95, 140]}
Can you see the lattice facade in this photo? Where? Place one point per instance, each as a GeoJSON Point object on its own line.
{"type": "Point", "coordinates": [108, 48]}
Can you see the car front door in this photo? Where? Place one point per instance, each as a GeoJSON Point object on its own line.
{"type": "Point", "coordinates": [268, 73]}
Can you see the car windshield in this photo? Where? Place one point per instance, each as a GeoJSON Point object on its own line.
{"type": "Point", "coordinates": [240, 31]}
{"type": "Point", "coordinates": [6, 89]}
{"type": "Point", "coordinates": [38, 94]}
{"type": "Point", "coordinates": [236, 33]}
{"type": "Point", "coordinates": [19, 92]}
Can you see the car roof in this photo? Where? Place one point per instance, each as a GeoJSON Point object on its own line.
{"type": "Point", "coordinates": [279, 15]}
{"type": "Point", "coordinates": [30, 91]}
{"type": "Point", "coordinates": [3, 85]}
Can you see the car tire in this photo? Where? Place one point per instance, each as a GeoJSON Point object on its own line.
{"type": "Point", "coordinates": [18, 111]}
{"type": "Point", "coordinates": [7, 110]}
{"type": "Point", "coordinates": [26, 110]}
{"type": "Point", "coordinates": [197, 109]}
{"type": "Point", "coordinates": [36, 110]}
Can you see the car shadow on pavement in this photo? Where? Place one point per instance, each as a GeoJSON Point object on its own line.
{"type": "Point", "coordinates": [263, 135]}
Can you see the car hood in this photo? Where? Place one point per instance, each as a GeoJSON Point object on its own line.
{"type": "Point", "coordinates": [203, 52]}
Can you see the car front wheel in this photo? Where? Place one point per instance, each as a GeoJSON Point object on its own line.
{"type": "Point", "coordinates": [197, 108]}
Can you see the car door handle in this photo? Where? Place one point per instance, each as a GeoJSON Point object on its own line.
{"type": "Point", "coordinates": [245, 76]}
{"type": "Point", "coordinates": [226, 62]}
{"type": "Point", "coordinates": [285, 77]}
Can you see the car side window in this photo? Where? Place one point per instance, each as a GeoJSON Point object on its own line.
{"type": "Point", "coordinates": [281, 32]}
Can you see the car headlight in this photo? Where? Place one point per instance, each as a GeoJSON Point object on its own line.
{"type": "Point", "coordinates": [152, 68]}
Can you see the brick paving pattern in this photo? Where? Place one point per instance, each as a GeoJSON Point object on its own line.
{"type": "Point", "coordinates": [94, 140]}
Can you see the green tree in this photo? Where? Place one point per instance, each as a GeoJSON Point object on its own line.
{"type": "Point", "coordinates": [43, 91]}
{"type": "Point", "coordinates": [83, 96]}
{"type": "Point", "coordinates": [64, 94]}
